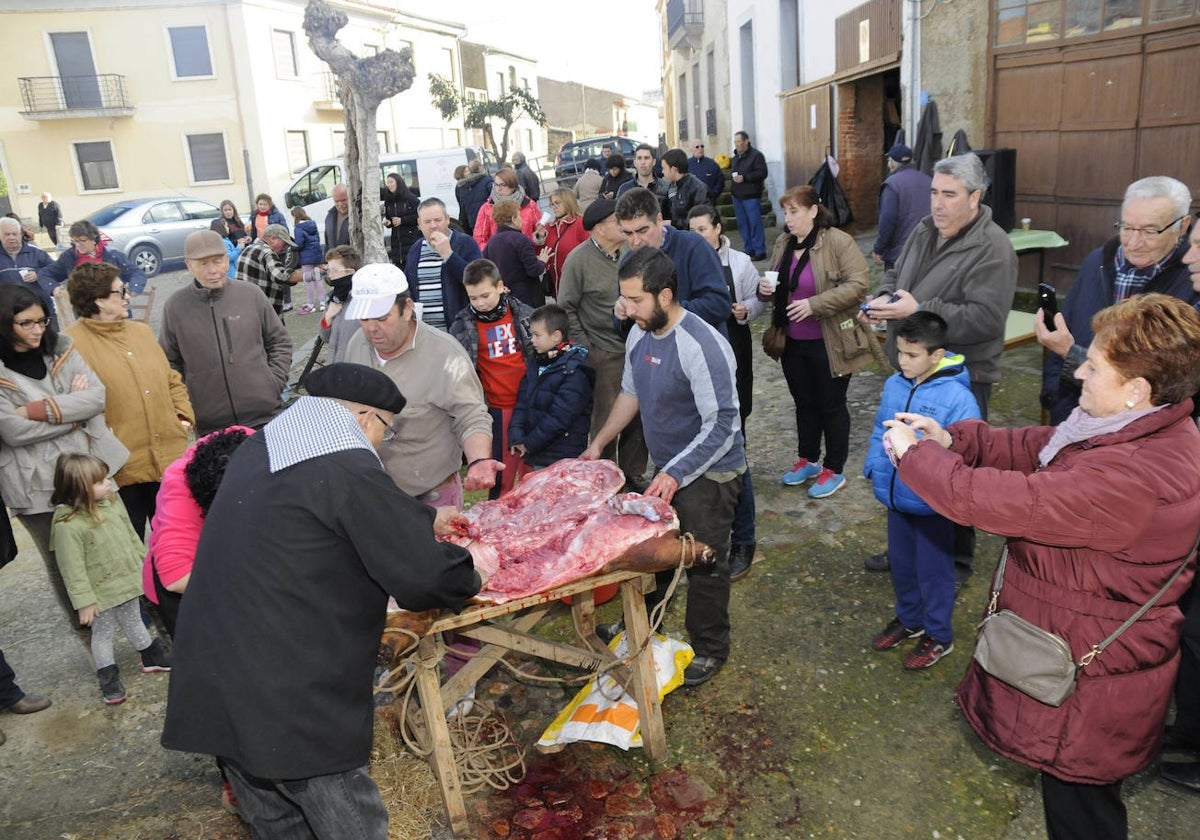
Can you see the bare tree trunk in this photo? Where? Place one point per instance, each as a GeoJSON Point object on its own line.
{"type": "Point", "coordinates": [363, 84]}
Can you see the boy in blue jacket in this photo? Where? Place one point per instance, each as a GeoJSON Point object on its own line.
{"type": "Point", "coordinates": [934, 382]}
{"type": "Point", "coordinates": [554, 405]}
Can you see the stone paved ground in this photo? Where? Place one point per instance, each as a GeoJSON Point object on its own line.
{"type": "Point", "coordinates": [805, 733]}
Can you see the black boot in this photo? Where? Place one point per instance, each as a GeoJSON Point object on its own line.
{"type": "Point", "coordinates": [156, 657]}
{"type": "Point", "coordinates": [740, 558]}
{"type": "Point", "coordinates": [110, 684]}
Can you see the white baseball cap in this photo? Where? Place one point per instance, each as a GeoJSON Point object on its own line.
{"type": "Point", "coordinates": [374, 290]}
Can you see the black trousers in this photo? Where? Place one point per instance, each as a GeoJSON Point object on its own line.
{"type": "Point", "coordinates": [140, 501]}
{"type": "Point", "coordinates": [1187, 684]}
{"type": "Point", "coordinates": [705, 508]}
{"type": "Point", "coordinates": [1083, 812]}
{"type": "Point", "coordinates": [820, 399]}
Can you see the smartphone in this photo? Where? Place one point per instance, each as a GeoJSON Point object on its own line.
{"type": "Point", "coordinates": [1048, 301]}
{"type": "Point", "coordinates": [866, 307]}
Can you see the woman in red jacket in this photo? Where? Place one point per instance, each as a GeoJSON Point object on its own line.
{"type": "Point", "coordinates": [1099, 512]}
{"type": "Point", "coordinates": [505, 187]}
{"type": "Point", "coordinates": [561, 236]}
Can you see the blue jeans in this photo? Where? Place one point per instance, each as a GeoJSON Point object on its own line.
{"type": "Point", "coordinates": [921, 554]}
{"type": "Point", "coordinates": [341, 806]}
{"type": "Point", "coordinates": [749, 218]}
{"type": "Point", "coordinates": [10, 692]}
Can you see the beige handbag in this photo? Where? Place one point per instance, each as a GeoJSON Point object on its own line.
{"type": "Point", "coordinates": [1037, 662]}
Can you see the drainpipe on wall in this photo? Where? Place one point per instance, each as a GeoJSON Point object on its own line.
{"type": "Point", "coordinates": [910, 70]}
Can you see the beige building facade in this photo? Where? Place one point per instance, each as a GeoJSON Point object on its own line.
{"type": "Point", "coordinates": [213, 99]}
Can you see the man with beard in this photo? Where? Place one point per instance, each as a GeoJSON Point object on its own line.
{"type": "Point", "coordinates": [680, 374]}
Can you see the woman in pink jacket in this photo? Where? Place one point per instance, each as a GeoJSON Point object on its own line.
{"type": "Point", "coordinates": [189, 486]}
{"type": "Point", "coordinates": [1099, 512]}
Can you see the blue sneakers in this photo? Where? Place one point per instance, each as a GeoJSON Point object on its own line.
{"type": "Point", "coordinates": [803, 470]}
{"type": "Point", "coordinates": [828, 482]}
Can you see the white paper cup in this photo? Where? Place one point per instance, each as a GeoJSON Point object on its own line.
{"type": "Point", "coordinates": [772, 277]}
{"type": "Point", "coordinates": [1025, 223]}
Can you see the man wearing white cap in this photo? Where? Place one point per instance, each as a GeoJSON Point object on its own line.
{"type": "Point", "coordinates": [447, 416]}
{"type": "Point", "coordinates": [223, 337]}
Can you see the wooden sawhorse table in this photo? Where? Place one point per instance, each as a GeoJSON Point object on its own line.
{"type": "Point", "coordinates": [515, 634]}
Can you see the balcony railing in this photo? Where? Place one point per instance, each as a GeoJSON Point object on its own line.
{"type": "Point", "coordinates": [683, 135]}
{"type": "Point", "coordinates": [331, 98]}
{"type": "Point", "coordinates": [684, 18]}
{"type": "Point", "coordinates": [65, 97]}
{"type": "Point", "coordinates": [710, 122]}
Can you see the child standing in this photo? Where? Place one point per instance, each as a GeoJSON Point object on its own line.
{"type": "Point", "coordinates": [554, 406]}
{"type": "Point", "coordinates": [494, 329]}
{"type": "Point", "coordinates": [100, 558]}
{"type": "Point", "coordinates": [935, 383]}
{"type": "Point", "coordinates": [340, 264]}
{"type": "Point", "coordinates": [308, 243]}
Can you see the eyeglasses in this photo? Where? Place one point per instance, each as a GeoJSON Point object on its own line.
{"type": "Point", "coordinates": [698, 146]}
{"type": "Point", "coordinates": [123, 291]}
{"type": "Point", "coordinates": [36, 322]}
{"type": "Point", "coordinates": [388, 431]}
{"type": "Point", "coordinates": [83, 240]}
{"type": "Point", "coordinates": [1123, 229]}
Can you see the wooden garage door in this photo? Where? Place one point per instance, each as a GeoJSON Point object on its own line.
{"type": "Point", "coordinates": [807, 132]}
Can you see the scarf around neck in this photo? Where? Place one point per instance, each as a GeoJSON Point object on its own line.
{"type": "Point", "coordinates": [1080, 426]}
{"type": "Point", "coordinates": [783, 291]}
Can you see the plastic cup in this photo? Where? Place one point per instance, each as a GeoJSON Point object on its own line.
{"type": "Point", "coordinates": [1025, 223]}
{"type": "Point", "coordinates": [772, 277]}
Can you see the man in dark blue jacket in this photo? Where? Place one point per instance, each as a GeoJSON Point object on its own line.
{"type": "Point", "coordinates": [1145, 256]}
{"type": "Point", "coordinates": [903, 203]}
{"type": "Point", "coordinates": [706, 169]}
{"type": "Point", "coordinates": [701, 279]}
{"type": "Point", "coordinates": [435, 264]}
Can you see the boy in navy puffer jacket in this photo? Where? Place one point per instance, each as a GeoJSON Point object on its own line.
{"type": "Point", "coordinates": [554, 405]}
{"type": "Point", "coordinates": [933, 382]}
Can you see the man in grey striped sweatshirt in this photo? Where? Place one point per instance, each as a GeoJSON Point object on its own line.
{"type": "Point", "coordinates": [680, 374]}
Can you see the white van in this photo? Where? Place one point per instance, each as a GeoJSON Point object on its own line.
{"type": "Point", "coordinates": [426, 173]}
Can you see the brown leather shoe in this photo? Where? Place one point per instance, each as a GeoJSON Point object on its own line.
{"type": "Point", "coordinates": [29, 704]}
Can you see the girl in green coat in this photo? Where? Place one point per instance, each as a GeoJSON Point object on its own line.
{"type": "Point", "coordinates": [100, 557]}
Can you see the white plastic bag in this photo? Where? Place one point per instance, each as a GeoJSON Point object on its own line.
{"type": "Point", "coordinates": [602, 711]}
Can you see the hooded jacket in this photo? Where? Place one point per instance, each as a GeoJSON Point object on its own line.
{"type": "Point", "coordinates": [945, 396]}
{"type": "Point", "coordinates": [75, 424]}
{"type": "Point", "coordinates": [554, 408]}
{"type": "Point", "coordinates": [969, 281]}
{"type": "Point", "coordinates": [232, 350]}
{"type": "Point", "coordinates": [1091, 536]}
{"type": "Point", "coordinates": [472, 193]}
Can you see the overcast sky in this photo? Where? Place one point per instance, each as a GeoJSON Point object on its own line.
{"type": "Point", "coordinates": [572, 41]}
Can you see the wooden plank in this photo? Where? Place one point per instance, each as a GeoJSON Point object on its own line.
{"type": "Point", "coordinates": [644, 687]}
{"type": "Point", "coordinates": [441, 756]}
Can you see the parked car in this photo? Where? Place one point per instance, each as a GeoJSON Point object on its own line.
{"type": "Point", "coordinates": [426, 173]}
{"type": "Point", "coordinates": [151, 231]}
{"type": "Point", "coordinates": [568, 165]}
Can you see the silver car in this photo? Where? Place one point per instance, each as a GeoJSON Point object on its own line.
{"type": "Point", "coordinates": [151, 231]}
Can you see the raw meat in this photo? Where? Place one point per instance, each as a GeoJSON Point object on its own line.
{"type": "Point", "coordinates": [561, 524]}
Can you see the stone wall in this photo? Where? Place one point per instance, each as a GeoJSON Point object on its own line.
{"type": "Point", "coordinates": [954, 52]}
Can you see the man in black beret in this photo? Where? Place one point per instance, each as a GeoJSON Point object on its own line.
{"type": "Point", "coordinates": [277, 637]}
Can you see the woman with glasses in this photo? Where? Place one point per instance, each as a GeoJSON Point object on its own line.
{"type": "Point", "coordinates": [146, 404]}
{"type": "Point", "coordinates": [51, 402]}
{"type": "Point", "coordinates": [89, 245]}
{"type": "Point", "coordinates": [561, 236]}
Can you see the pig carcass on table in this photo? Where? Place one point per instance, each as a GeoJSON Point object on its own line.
{"type": "Point", "coordinates": [565, 523]}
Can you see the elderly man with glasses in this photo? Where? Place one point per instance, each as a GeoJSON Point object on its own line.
{"type": "Point", "coordinates": [1146, 255]}
{"type": "Point", "coordinates": [707, 170]}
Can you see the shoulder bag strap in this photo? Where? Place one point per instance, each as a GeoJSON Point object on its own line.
{"type": "Point", "coordinates": [1099, 649]}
